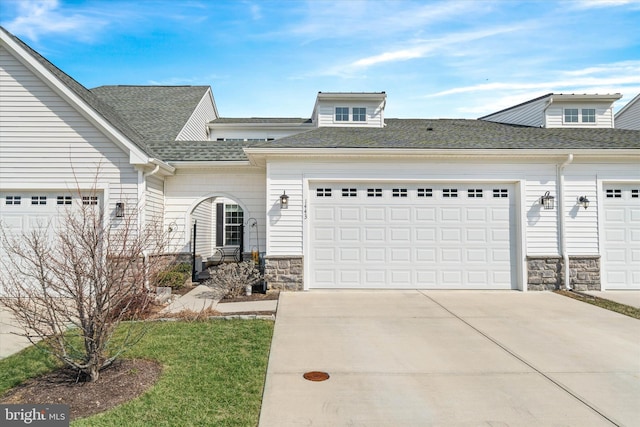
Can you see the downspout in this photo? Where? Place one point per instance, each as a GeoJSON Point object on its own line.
{"type": "Point", "coordinates": [561, 222]}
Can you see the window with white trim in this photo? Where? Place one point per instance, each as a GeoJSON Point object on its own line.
{"type": "Point", "coordinates": [342, 114]}
{"type": "Point", "coordinates": [359, 114]}
{"type": "Point", "coordinates": [588, 115]}
{"type": "Point", "coordinates": [635, 194]}
{"type": "Point", "coordinates": [89, 200]}
{"type": "Point", "coordinates": [399, 192]}
{"type": "Point", "coordinates": [233, 219]}
{"type": "Point", "coordinates": [38, 200]}
{"type": "Point", "coordinates": [571, 115]}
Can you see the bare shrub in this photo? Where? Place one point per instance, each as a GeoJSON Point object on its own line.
{"type": "Point", "coordinates": [233, 278]}
{"type": "Point", "coordinates": [69, 289]}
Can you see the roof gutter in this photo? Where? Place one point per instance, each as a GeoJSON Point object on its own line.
{"type": "Point", "coordinates": [561, 221]}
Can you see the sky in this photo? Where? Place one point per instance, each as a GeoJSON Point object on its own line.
{"type": "Point", "coordinates": [434, 59]}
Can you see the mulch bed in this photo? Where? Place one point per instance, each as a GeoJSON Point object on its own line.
{"type": "Point", "coordinates": [126, 379]}
{"type": "Point", "coordinates": [272, 295]}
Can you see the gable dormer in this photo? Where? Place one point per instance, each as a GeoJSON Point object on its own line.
{"type": "Point", "coordinates": [560, 111]}
{"type": "Point", "coordinates": [349, 109]}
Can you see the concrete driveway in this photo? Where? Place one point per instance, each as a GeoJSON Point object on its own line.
{"type": "Point", "coordinates": [451, 358]}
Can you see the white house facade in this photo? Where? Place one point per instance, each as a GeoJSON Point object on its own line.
{"type": "Point", "coordinates": [540, 196]}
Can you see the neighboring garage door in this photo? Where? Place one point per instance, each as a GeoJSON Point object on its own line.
{"type": "Point", "coordinates": [22, 211]}
{"type": "Point", "coordinates": [421, 236]}
{"type": "Point", "coordinates": [621, 237]}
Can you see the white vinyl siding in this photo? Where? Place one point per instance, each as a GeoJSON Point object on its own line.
{"type": "Point", "coordinates": [46, 143]}
{"type": "Point", "coordinates": [204, 214]}
{"type": "Point", "coordinates": [529, 114]}
{"type": "Point", "coordinates": [196, 127]}
{"type": "Point", "coordinates": [154, 202]}
{"type": "Point", "coordinates": [244, 185]}
{"type": "Point", "coordinates": [327, 114]}
{"type": "Point", "coordinates": [629, 116]}
{"type": "Point", "coordinates": [603, 115]}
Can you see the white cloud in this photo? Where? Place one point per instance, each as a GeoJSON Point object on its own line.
{"type": "Point", "coordinates": [42, 17]}
{"type": "Point", "coordinates": [598, 4]}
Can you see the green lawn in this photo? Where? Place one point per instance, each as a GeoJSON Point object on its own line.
{"type": "Point", "coordinates": [213, 375]}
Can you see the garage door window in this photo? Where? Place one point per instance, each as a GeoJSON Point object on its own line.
{"type": "Point", "coordinates": [500, 193]}
{"type": "Point", "coordinates": [399, 192]}
{"type": "Point", "coordinates": [349, 192]}
{"type": "Point", "coordinates": [64, 200]}
{"type": "Point", "coordinates": [38, 200]}
{"type": "Point", "coordinates": [614, 194]}
{"type": "Point", "coordinates": [89, 200]}
{"type": "Point", "coordinates": [323, 192]}
{"type": "Point", "coordinates": [449, 192]}
{"type": "Point", "coordinates": [374, 192]}
{"type": "Point", "coordinates": [13, 200]}
{"type": "Point", "coordinates": [425, 192]}
{"type": "Point", "coordinates": [474, 193]}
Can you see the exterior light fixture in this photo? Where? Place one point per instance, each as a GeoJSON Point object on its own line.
{"type": "Point", "coordinates": [584, 201]}
{"type": "Point", "coordinates": [547, 201]}
{"type": "Point", "coordinates": [284, 201]}
{"type": "Point", "coordinates": [119, 209]}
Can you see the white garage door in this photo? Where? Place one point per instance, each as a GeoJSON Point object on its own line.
{"type": "Point", "coordinates": [419, 236]}
{"type": "Point", "coordinates": [621, 237]}
{"type": "Point", "coordinates": [22, 211]}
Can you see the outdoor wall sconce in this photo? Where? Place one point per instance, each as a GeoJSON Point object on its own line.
{"type": "Point", "coordinates": [119, 209]}
{"type": "Point", "coordinates": [547, 201]}
{"type": "Point", "coordinates": [584, 201]}
{"type": "Point", "coordinates": [284, 200]}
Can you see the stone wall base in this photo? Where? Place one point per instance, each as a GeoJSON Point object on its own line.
{"type": "Point", "coordinates": [284, 273]}
{"type": "Point", "coordinates": [546, 273]}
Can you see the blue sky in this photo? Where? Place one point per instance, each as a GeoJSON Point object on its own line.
{"type": "Point", "coordinates": [434, 59]}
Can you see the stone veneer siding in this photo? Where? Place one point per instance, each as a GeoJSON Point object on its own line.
{"type": "Point", "coordinates": [284, 273]}
{"type": "Point", "coordinates": [546, 273]}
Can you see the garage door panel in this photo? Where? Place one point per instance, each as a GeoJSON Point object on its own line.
{"type": "Point", "coordinates": [450, 214]}
{"type": "Point", "coordinates": [349, 214]}
{"type": "Point", "coordinates": [423, 240]}
{"type": "Point", "coordinates": [374, 214]}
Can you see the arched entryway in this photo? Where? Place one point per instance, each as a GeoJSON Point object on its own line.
{"type": "Point", "coordinates": [218, 229]}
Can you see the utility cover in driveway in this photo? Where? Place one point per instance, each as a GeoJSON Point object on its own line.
{"type": "Point", "coordinates": [421, 236]}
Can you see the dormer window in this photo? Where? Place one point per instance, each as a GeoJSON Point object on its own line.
{"type": "Point", "coordinates": [355, 114]}
{"type": "Point", "coordinates": [588, 115]}
{"type": "Point", "coordinates": [571, 115]}
{"type": "Point", "coordinates": [342, 114]}
{"type": "Point", "coordinates": [359, 114]}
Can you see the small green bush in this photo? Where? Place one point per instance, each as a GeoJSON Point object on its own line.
{"type": "Point", "coordinates": [184, 267]}
{"type": "Point", "coordinates": [172, 279]}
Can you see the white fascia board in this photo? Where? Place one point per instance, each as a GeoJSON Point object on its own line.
{"type": "Point", "coordinates": [291, 125]}
{"type": "Point", "coordinates": [626, 154]}
{"type": "Point", "coordinates": [136, 155]}
{"type": "Point", "coordinates": [209, 164]}
{"type": "Point", "coordinates": [370, 96]}
{"type": "Point", "coordinates": [585, 97]}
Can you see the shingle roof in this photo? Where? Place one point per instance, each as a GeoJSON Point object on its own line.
{"type": "Point", "coordinates": [458, 134]}
{"type": "Point", "coordinates": [157, 112]}
{"type": "Point", "coordinates": [89, 98]}
{"type": "Point", "coordinates": [172, 151]}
